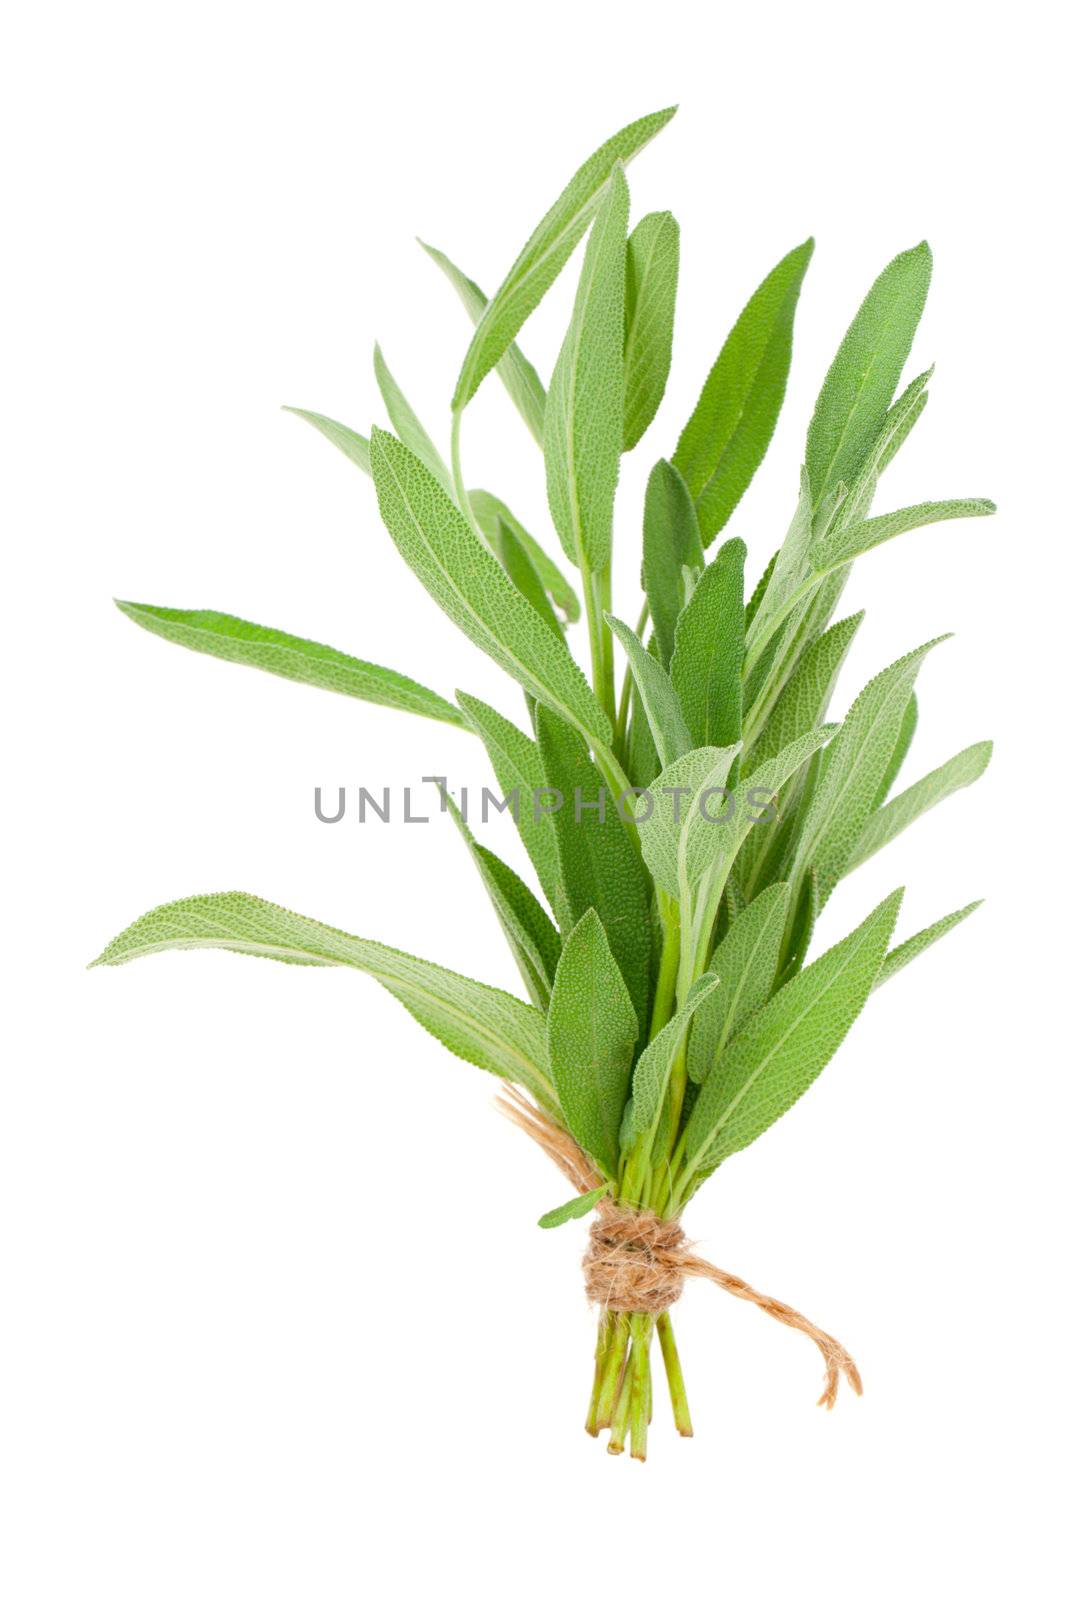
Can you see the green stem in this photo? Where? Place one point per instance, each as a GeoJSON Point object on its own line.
{"type": "Point", "coordinates": [675, 1375]}
{"type": "Point", "coordinates": [605, 1331]}
{"type": "Point", "coordinates": [621, 1415]}
{"type": "Point", "coordinates": [639, 1375]}
{"type": "Point", "coordinates": [612, 1370]}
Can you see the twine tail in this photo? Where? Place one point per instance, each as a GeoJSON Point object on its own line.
{"type": "Point", "coordinates": [837, 1358]}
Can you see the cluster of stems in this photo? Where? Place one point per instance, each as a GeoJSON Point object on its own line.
{"type": "Point", "coordinates": [622, 1398]}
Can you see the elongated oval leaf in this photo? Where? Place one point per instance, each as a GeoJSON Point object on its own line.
{"type": "Point", "coordinates": [859, 537]}
{"type": "Point", "coordinates": [468, 583]}
{"type": "Point", "coordinates": [484, 1026]}
{"type": "Point", "coordinates": [709, 650]}
{"type": "Point", "coordinates": [654, 1066]}
{"type": "Point", "coordinates": [887, 823]}
{"type": "Point", "coordinates": [584, 411]}
{"type": "Point", "coordinates": [592, 1029]}
{"type": "Point", "coordinates": [214, 633]}
{"type": "Point", "coordinates": [677, 817]}
{"type": "Point", "coordinates": [545, 252]}
{"type": "Point", "coordinates": [745, 965]}
{"type": "Point", "coordinates": [910, 949]}
{"type": "Point", "coordinates": [515, 561]}
{"type": "Point", "coordinates": [653, 261]}
{"type": "Point", "coordinates": [787, 1044]}
{"type": "Point", "coordinates": [863, 376]}
{"type": "Point", "coordinates": [352, 444]}
{"type": "Point", "coordinates": [600, 868]}
{"type": "Point", "coordinates": [670, 542]}
{"type": "Point", "coordinates": [858, 759]}
{"type": "Point", "coordinates": [520, 777]}
{"type": "Point", "coordinates": [407, 424]}
{"type": "Point", "coordinates": [659, 698]}
{"type": "Point", "coordinates": [727, 435]}
{"type": "Point", "coordinates": [514, 371]}
{"type": "Point", "coordinates": [491, 513]}
{"type": "Point", "coordinates": [580, 1205]}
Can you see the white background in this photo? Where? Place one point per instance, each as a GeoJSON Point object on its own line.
{"type": "Point", "coordinates": [277, 1320]}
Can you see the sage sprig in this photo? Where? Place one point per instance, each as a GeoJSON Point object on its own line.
{"type": "Point", "coordinates": [700, 804]}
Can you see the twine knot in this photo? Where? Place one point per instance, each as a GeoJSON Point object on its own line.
{"type": "Point", "coordinates": [634, 1262]}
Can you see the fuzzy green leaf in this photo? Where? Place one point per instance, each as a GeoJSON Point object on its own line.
{"type": "Point", "coordinates": [484, 1026]}
{"type": "Point", "coordinates": [585, 408]}
{"type": "Point", "coordinates": [515, 561]}
{"type": "Point", "coordinates": [805, 699]}
{"type": "Point", "coordinates": [858, 760]}
{"type": "Point", "coordinates": [520, 777]}
{"type": "Point", "coordinates": [653, 261]}
{"type": "Point", "coordinates": [213, 633]}
{"type": "Point", "coordinates": [407, 424]}
{"type": "Point", "coordinates": [855, 539]}
{"type": "Point", "coordinates": [733, 422]}
{"type": "Point", "coordinates": [514, 371]}
{"type": "Point", "coordinates": [659, 699]}
{"type": "Point", "coordinates": [745, 965]}
{"type": "Point", "coordinates": [592, 1029]}
{"type": "Point", "coordinates": [676, 817]}
{"type": "Point", "coordinates": [546, 251]}
{"type": "Point", "coordinates": [910, 949]}
{"type": "Point", "coordinates": [354, 445]}
{"type": "Point", "coordinates": [670, 542]}
{"type": "Point", "coordinates": [887, 823]}
{"type": "Point", "coordinates": [599, 865]}
{"type": "Point", "coordinates": [468, 583]}
{"type": "Point", "coordinates": [580, 1205]}
{"type": "Point", "coordinates": [787, 1044]}
{"type": "Point", "coordinates": [654, 1066]}
{"type": "Point", "coordinates": [901, 749]}
{"type": "Point", "coordinates": [864, 374]}
{"type": "Point", "coordinates": [709, 651]}
{"type": "Point", "coordinates": [490, 513]}
{"type": "Point", "coordinates": [534, 942]}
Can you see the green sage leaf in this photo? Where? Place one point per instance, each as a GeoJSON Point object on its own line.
{"type": "Point", "coordinates": [468, 583]}
{"type": "Point", "coordinates": [407, 424]}
{"type": "Point", "coordinates": [354, 445]}
{"type": "Point", "coordinates": [490, 513]}
{"type": "Point", "coordinates": [727, 435]}
{"type": "Point", "coordinates": [709, 650]}
{"type": "Point", "coordinates": [546, 251]}
{"type": "Point", "coordinates": [654, 1066]}
{"type": "Point", "coordinates": [670, 542]}
{"type": "Point", "coordinates": [580, 1205]}
{"type": "Point", "coordinates": [783, 1049]}
{"type": "Point", "coordinates": [584, 412]}
{"type": "Point", "coordinates": [514, 371]}
{"type": "Point", "coordinates": [887, 823]}
{"type": "Point", "coordinates": [484, 1026]}
{"type": "Point", "coordinates": [653, 261]}
{"type": "Point", "coordinates": [904, 953]}
{"type": "Point", "coordinates": [592, 1029]}
{"type": "Point", "coordinates": [214, 633]}
{"type": "Point", "coordinates": [745, 964]}
{"type": "Point", "coordinates": [659, 698]}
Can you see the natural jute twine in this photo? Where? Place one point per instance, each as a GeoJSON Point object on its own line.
{"type": "Point", "coordinates": [637, 1263]}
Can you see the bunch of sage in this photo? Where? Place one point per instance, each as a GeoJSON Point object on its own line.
{"type": "Point", "coordinates": [672, 1014]}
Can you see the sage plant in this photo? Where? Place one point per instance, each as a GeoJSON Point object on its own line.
{"type": "Point", "coordinates": [709, 807]}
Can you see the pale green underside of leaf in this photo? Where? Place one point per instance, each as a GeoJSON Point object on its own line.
{"type": "Point", "coordinates": [805, 700]}
{"type": "Point", "coordinates": [677, 839]}
{"type": "Point", "coordinates": [653, 261]}
{"type": "Point", "coordinates": [654, 1066]}
{"type": "Point", "coordinates": [490, 513]}
{"type": "Point", "coordinates": [585, 407]}
{"type": "Point", "coordinates": [860, 537]}
{"type": "Point", "coordinates": [546, 251]}
{"type": "Point", "coordinates": [887, 823]}
{"type": "Point", "coordinates": [785, 1046]}
{"type": "Point", "coordinates": [468, 583]}
{"type": "Point", "coordinates": [745, 965]}
{"type": "Point", "coordinates": [352, 444]}
{"type": "Point", "coordinates": [659, 698]}
{"type": "Point", "coordinates": [859, 757]}
{"type": "Point", "coordinates": [213, 633]}
{"type": "Point", "coordinates": [484, 1026]}
{"type": "Point", "coordinates": [514, 371]}
{"type": "Point", "coordinates": [580, 1205]}
{"type": "Point", "coordinates": [517, 766]}
{"type": "Point", "coordinates": [407, 424]}
{"type": "Point", "coordinates": [727, 434]}
{"type": "Point", "coordinates": [910, 949]}
{"type": "Point", "coordinates": [592, 1029]}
